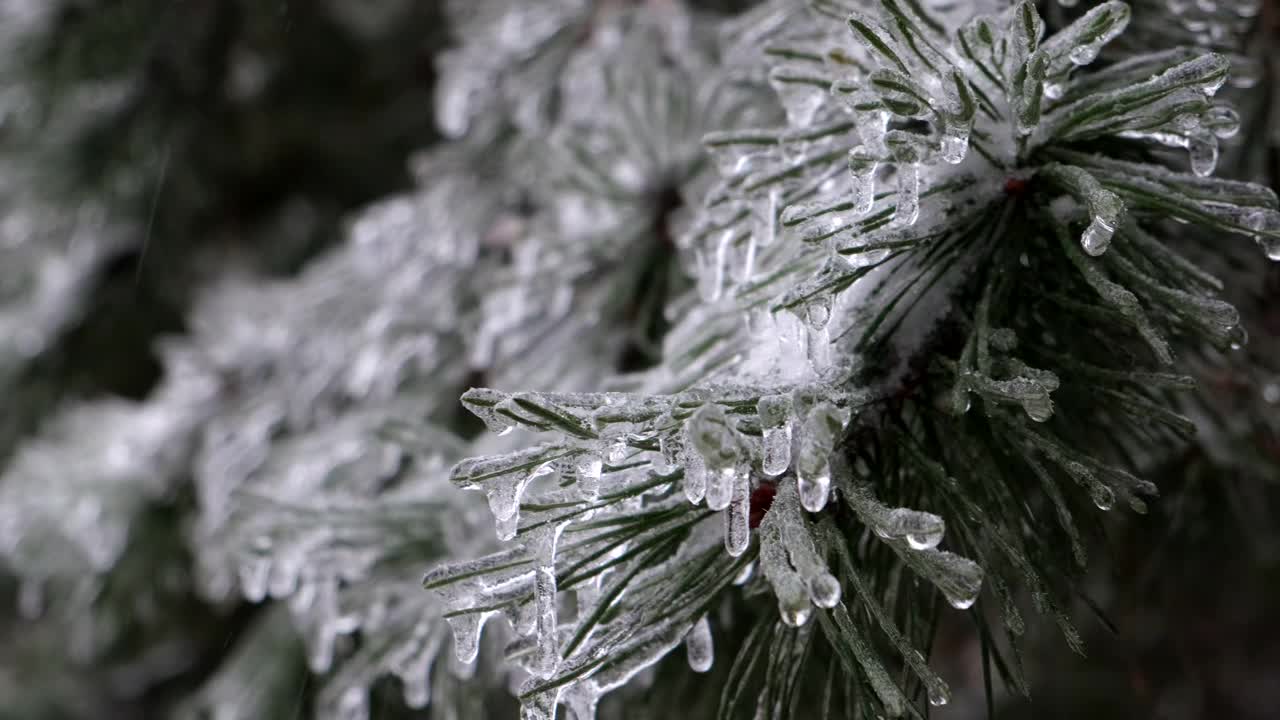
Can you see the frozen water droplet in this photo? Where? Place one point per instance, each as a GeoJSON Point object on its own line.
{"type": "Point", "coordinates": [814, 490]}
{"type": "Point", "coordinates": [745, 576]}
{"type": "Point", "coordinates": [1238, 337]}
{"type": "Point", "coordinates": [1222, 121]}
{"type": "Point", "coordinates": [939, 695]}
{"type": "Point", "coordinates": [1038, 407]}
{"type": "Point", "coordinates": [1103, 496]}
{"type": "Point", "coordinates": [862, 168]}
{"type": "Point", "coordinates": [824, 590]}
{"type": "Point", "coordinates": [817, 312]}
{"type": "Point", "coordinates": [717, 444]}
{"type": "Point", "coordinates": [1203, 150]}
{"type": "Point", "coordinates": [1271, 393]}
{"type": "Point", "coordinates": [924, 541]}
{"type": "Point", "coordinates": [1271, 246]}
{"type": "Point", "coordinates": [1097, 237]}
{"type": "Point", "coordinates": [254, 573]}
{"type": "Point", "coordinates": [1084, 54]}
{"type": "Point", "coordinates": [698, 646]}
{"type": "Point", "coordinates": [796, 615]}
{"type": "Point", "coordinates": [774, 412]}
{"type": "Point", "coordinates": [962, 602]}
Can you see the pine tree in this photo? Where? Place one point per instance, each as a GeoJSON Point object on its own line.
{"type": "Point", "coordinates": [785, 333]}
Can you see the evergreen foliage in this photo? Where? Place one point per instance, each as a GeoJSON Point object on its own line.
{"type": "Point", "coordinates": [783, 333]}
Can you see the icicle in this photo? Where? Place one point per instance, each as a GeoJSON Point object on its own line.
{"type": "Point", "coordinates": [695, 477]}
{"type": "Point", "coordinates": [711, 266]}
{"type": "Point", "coordinates": [774, 412]}
{"type": "Point", "coordinates": [324, 618]}
{"type": "Point", "coordinates": [502, 478]}
{"type": "Point", "coordinates": [698, 646]}
{"type": "Point", "coordinates": [908, 207]}
{"type": "Point", "coordinates": [543, 545]}
{"type": "Point", "coordinates": [284, 573]}
{"type": "Point", "coordinates": [506, 528]}
{"type": "Point", "coordinates": [589, 471]}
{"type": "Point", "coordinates": [618, 450]}
{"type": "Point", "coordinates": [1203, 150]}
{"type": "Point", "coordinates": [737, 532]}
{"type": "Point", "coordinates": [716, 443]}
{"type": "Point", "coordinates": [483, 403]}
{"type": "Point", "coordinates": [813, 471]}
{"type": "Point", "coordinates": [546, 654]}
{"type": "Point", "coordinates": [417, 690]}
{"type": "Point", "coordinates": [720, 484]}
{"type": "Point", "coordinates": [793, 598]}
{"type": "Point", "coordinates": [746, 267]}
{"type": "Point", "coordinates": [800, 94]}
{"type": "Point", "coordinates": [957, 121]}
{"type": "Point", "coordinates": [765, 216]}
{"type": "Point", "coordinates": [862, 169]}
{"type": "Point", "coordinates": [819, 349]}
{"type": "Point", "coordinates": [955, 144]}
{"type": "Point", "coordinates": [581, 698]}
{"type": "Point", "coordinates": [667, 460]}
{"type": "Point", "coordinates": [814, 486]}
{"type": "Point", "coordinates": [466, 634]}
{"type": "Point", "coordinates": [254, 572]}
